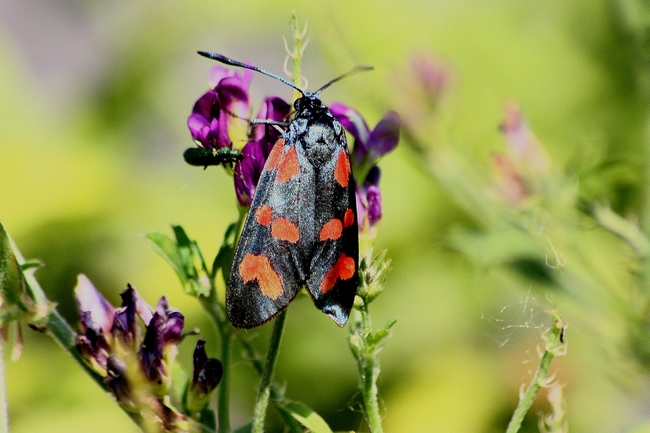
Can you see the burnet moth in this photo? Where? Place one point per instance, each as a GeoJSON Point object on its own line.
{"type": "Point", "coordinates": [301, 230]}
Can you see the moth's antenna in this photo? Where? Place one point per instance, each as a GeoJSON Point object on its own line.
{"type": "Point", "coordinates": [347, 74]}
{"type": "Point", "coordinates": [231, 62]}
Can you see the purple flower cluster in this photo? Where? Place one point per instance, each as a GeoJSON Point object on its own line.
{"type": "Point", "coordinates": [369, 146]}
{"type": "Point", "coordinates": [211, 126]}
{"type": "Point", "coordinates": [110, 341]}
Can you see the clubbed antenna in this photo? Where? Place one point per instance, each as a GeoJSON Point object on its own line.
{"type": "Point", "coordinates": [347, 74]}
{"type": "Point", "coordinates": [231, 62]}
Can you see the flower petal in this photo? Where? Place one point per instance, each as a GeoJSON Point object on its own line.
{"type": "Point", "coordinates": [124, 324]}
{"type": "Point", "coordinates": [384, 137]}
{"type": "Point", "coordinates": [248, 171]}
{"type": "Point", "coordinates": [89, 300]}
{"type": "Point", "coordinates": [353, 122]}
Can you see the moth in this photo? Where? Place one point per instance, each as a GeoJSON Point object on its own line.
{"type": "Point", "coordinates": [301, 230]}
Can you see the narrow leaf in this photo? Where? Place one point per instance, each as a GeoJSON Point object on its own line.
{"type": "Point", "coordinates": [307, 417]}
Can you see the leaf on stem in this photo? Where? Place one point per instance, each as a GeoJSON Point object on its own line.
{"type": "Point", "coordinates": [306, 416]}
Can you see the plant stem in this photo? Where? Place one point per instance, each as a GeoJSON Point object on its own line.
{"type": "Point", "coordinates": [267, 375]}
{"type": "Point", "coordinates": [369, 372]}
{"type": "Point", "coordinates": [54, 324]}
{"type": "Point", "coordinates": [554, 347]}
{"type": "Point", "coordinates": [298, 48]}
{"type": "Point", "coordinates": [223, 408]}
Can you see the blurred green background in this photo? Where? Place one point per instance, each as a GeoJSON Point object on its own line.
{"type": "Point", "coordinates": [94, 98]}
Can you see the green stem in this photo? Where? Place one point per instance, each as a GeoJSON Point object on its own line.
{"type": "Point", "coordinates": [63, 334]}
{"type": "Point", "coordinates": [262, 403]}
{"type": "Point", "coordinates": [54, 324]}
{"type": "Point", "coordinates": [217, 314]}
{"type": "Point", "coordinates": [298, 48]}
{"type": "Point", "coordinates": [554, 347]}
{"type": "Point", "coordinates": [369, 371]}
{"type": "Point", "coordinates": [223, 408]}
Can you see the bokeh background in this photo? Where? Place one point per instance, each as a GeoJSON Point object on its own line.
{"type": "Point", "coordinates": [94, 98]}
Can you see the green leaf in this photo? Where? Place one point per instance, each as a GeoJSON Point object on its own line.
{"type": "Point", "coordinates": [306, 416]}
{"type": "Point", "coordinates": [375, 338]}
{"type": "Point", "coordinates": [16, 303]}
{"type": "Point", "coordinates": [184, 247]}
{"type": "Point", "coordinates": [226, 253]}
{"type": "Point", "coordinates": [168, 250]}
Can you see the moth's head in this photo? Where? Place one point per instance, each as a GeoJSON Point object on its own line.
{"type": "Point", "coordinates": [309, 105]}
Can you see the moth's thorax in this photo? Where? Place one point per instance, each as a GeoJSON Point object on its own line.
{"type": "Point", "coordinates": [319, 135]}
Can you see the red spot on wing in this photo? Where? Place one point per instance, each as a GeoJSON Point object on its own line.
{"type": "Point", "coordinates": [348, 219]}
{"type": "Point", "coordinates": [289, 166]}
{"type": "Point", "coordinates": [332, 229]}
{"type": "Point", "coordinates": [285, 230]}
{"type": "Point", "coordinates": [275, 156]}
{"type": "Point", "coordinates": [343, 269]}
{"type": "Point", "coordinates": [264, 215]}
{"type": "Point", "coordinates": [258, 267]}
{"type": "Point", "coordinates": [342, 169]}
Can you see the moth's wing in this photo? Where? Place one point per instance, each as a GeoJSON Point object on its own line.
{"type": "Point", "coordinates": [267, 270]}
{"type": "Point", "coordinates": [333, 279]}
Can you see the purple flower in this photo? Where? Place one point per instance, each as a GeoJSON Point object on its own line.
{"type": "Point", "coordinates": [369, 199]}
{"type": "Point", "coordinates": [205, 378]}
{"type": "Point", "coordinates": [275, 109]}
{"type": "Point", "coordinates": [255, 152]}
{"type": "Point", "coordinates": [212, 115]}
{"type": "Point", "coordinates": [163, 332]}
{"type": "Point", "coordinates": [124, 322]}
{"type": "Point", "coordinates": [432, 76]}
{"type": "Point", "coordinates": [369, 146]}
{"type": "Point", "coordinates": [110, 340]}
{"type": "Point", "coordinates": [248, 171]}
{"type": "Point", "coordinates": [527, 153]}
{"type": "Point", "coordinates": [97, 309]}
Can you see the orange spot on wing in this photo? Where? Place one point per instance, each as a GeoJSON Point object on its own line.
{"type": "Point", "coordinates": [343, 269]}
{"type": "Point", "coordinates": [275, 156]}
{"type": "Point", "coordinates": [264, 215]}
{"type": "Point", "coordinates": [285, 230]}
{"type": "Point", "coordinates": [289, 166]}
{"type": "Point", "coordinates": [342, 169]}
{"type": "Point", "coordinates": [258, 267]}
{"type": "Point", "coordinates": [332, 229]}
{"type": "Point", "coordinates": [348, 219]}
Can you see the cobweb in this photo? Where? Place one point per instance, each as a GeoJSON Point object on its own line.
{"type": "Point", "coordinates": [518, 323]}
